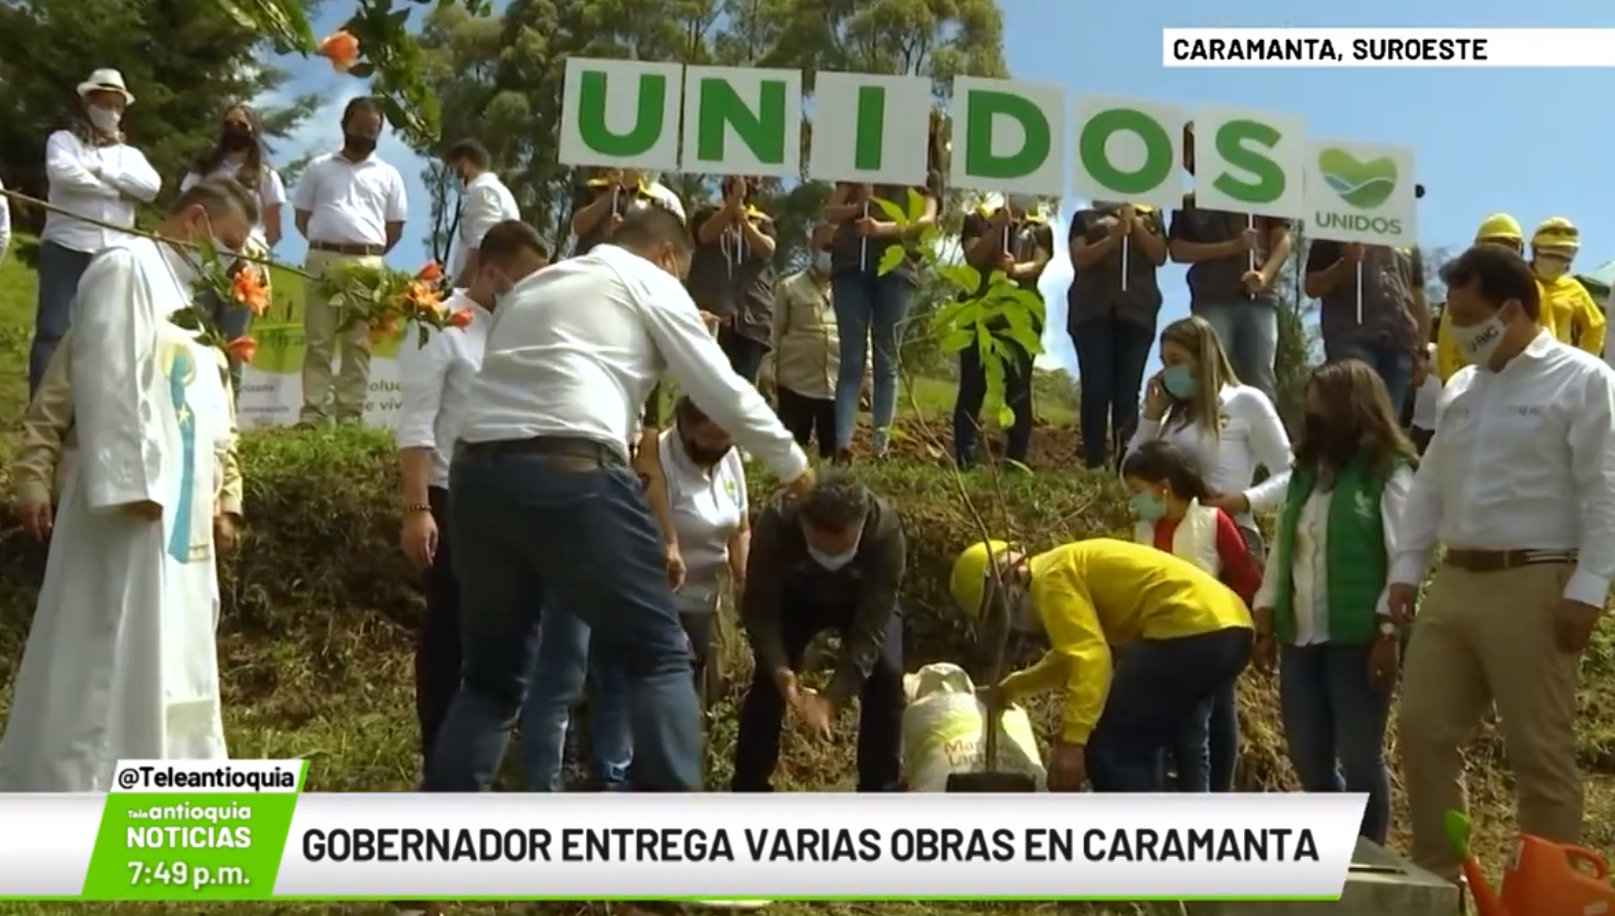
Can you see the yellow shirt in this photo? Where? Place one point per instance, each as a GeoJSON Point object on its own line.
{"type": "Point", "coordinates": [1568, 313]}
{"type": "Point", "coordinates": [1099, 593]}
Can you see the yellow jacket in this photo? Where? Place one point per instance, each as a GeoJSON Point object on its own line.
{"type": "Point", "coordinates": [47, 430]}
{"type": "Point", "coordinates": [1568, 313]}
{"type": "Point", "coordinates": [1099, 593]}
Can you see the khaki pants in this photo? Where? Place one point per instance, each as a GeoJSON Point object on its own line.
{"type": "Point", "coordinates": [1483, 638]}
{"type": "Point", "coordinates": [320, 339]}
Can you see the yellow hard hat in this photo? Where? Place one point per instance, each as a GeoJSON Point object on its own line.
{"type": "Point", "coordinates": [1556, 232]}
{"type": "Point", "coordinates": [969, 582]}
{"type": "Point", "coordinates": [1500, 226]}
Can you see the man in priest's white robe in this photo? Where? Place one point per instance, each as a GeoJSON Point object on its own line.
{"type": "Point", "coordinates": [121, 661]}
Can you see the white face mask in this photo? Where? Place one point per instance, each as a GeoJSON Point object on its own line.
{"type": "Point", "coordinates": [1478, 343]}
{"type": "Point", "coordinates": [821, 262]}
{"type": "Point", "coordinates": [105, 120]}
{"type": "Point", "coordinates": [833, 562]}
{"type": "Point", "coordinates": [1022, 618]}
{"type": "Point", "coordinates": [1551, 268]}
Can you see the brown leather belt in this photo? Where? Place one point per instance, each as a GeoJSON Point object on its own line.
{"type": "Point", "coordinates": [578, 454]}
{"type": "Point", "coordinates": [1485, 561]}
{"type": "Point", "coordinates": [355, 249]}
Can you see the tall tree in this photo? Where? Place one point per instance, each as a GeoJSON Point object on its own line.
{"type": "Point", "coordinates": [193, 61]}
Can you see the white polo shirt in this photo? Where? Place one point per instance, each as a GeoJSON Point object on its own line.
{"type": "Point", "coordinates": [485, 204]}
{"type": "Point", "coordinates": [437, 381]}
{"type": "Point", "coordinates": [577, 347]}
{"type": "Point", "coordinates": [271, 191]}
{"type": "Point", "coordinates": [709, 505]}
{"type": "Point", "coordinates": [100, 182]}
{"type": "Point", "coordinates": [350, 202]}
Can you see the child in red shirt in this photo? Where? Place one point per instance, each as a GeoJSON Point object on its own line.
{"type": "Point", "coordinates": [1168, 498]}
{"type": "Point", "coordinates": [1167, 493]}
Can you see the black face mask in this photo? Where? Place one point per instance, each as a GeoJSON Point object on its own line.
{"type": "Point", "coordinates": [237, 138]}
{"type": "Point", "coordinates": [359, 145]}
{"type": "Point", "coordinates": [705, 457]}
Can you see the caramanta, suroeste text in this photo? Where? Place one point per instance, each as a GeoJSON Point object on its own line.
{"type": "Point", "coordinates": [1323, 49]}
{"type": "Point", "coordinates": [672, 844]}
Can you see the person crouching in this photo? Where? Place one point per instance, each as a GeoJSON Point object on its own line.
{"type": "Point", "coordinates": [1184, 636]}
{"type": "Point", "coordinates": [831, 560]}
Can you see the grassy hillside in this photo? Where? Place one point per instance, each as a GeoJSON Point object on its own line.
{"type": "Point", "coordinates": [315, 639]}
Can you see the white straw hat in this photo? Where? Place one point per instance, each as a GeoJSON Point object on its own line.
{"type": "Point", "coordinates": [106, 80]}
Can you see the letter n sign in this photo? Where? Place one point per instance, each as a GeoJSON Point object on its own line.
{"type": "Point", "coordinates": [621, 113]}
{"type": "Point", "coordinates": [741, 121]}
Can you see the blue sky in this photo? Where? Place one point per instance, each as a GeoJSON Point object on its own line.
{"type": "Point", "coordinates": [1531, 142]}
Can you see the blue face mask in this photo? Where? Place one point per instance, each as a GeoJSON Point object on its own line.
{"type": "Point", "coordinates": [1179, 382]}
{"type": "Point", "coordinates": [1148, 506]}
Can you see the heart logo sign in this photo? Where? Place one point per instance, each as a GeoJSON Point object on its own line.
{"type": "Point", "coordinates": [1364, 185]}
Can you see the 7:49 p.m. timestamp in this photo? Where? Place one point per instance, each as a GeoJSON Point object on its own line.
{"type": "Point", "coordinates": [182, 874]}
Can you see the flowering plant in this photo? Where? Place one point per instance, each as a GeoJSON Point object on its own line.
{"type": "Point", "coordinates": [240, 283]}
{"type": "Point", "coordinates": [384, 299]}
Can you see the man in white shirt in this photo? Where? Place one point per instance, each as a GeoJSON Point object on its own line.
{"type": "Point", "coordinates": [121, 661]}
{"type": "Point", "coordinates": [351, 207]}
{"type": "Point", "coordinates": [484, 201]}
{"type": "Point", "coordinates": [92, 173]}
{"type": "Point", "coordinates": [437, 379]}
{"type": "Point", "coordinates": [1519, 486]}
{"type": "Point", "coordinates": [547, 511]}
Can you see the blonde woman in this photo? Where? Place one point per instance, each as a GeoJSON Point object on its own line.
{"type": "Point", "coordinates": [1197, 403]}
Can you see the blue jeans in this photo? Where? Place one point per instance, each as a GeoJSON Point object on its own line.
{"type": "Point", "coordinates": [868, 306]}
{"type": "Point", "coordinates": [1160, 685]}
{"type": "Point", "coordinates": [1111, 355]}
{"type": "Point", "coordinates": [535, 530]}
{"type": "Point", "coordinates": [1207, 749]}
{"type": "Point", "coordinates": [1334, 724]}
{"type": "Point", "coordinates": [557, 683]}
{"type": "Point", "coordinates": [1250, 336]}
{"type": "Point", "coordinates": [1393, 364]}
{"type": "Point", "coordinates": [59, 272]}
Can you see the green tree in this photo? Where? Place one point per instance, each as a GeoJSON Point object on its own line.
{"type": "Point", "coordinates": [194, 61]}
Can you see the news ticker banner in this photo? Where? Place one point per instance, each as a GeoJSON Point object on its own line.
{"type": "Point", "coordinates": [241, 830]}
{"type": "Point", "coordinates": [1388, 47]}
{"type": "Point", "coordinates": [1005, 136]}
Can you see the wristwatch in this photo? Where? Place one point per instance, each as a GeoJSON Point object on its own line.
{"type": "Point", "coordinates": [1387, 628]}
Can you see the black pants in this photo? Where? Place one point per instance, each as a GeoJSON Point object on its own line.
{"type": "Point", "coordinates": [745, 355]}
{"type": "Point", "coordinates": [1158, 687]}
{"type": "Point", "coordinates": [806, 417]}
{"type": "Point", "coordinates": [1111, 355]}
{"type": "Point", "coordinates": [880, 712]}
{"type": "Point", "coordinates": [437, 651]}
{"type": "Point", "coordinates": [973, 394]}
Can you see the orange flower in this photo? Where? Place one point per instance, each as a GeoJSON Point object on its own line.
{"type": "Point", "coordinates": [460, 318]}
{"type": "Point", "coordinates": [248, 289]}
{"type": "Point", "coordinates": [241, 349]}
{"type": "Point", "coordinates": [342, 50]}
{"type": "Point", "coordinates": [431, 273]}
{"type": "Point", "coordinates": [422, 298]}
